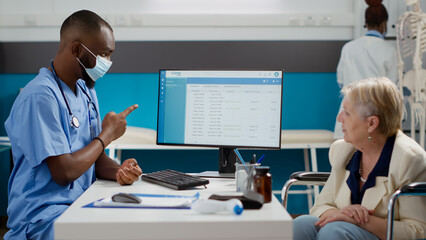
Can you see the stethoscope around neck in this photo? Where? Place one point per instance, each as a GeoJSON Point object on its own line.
{"type": "Point", "coordinates": [74, 120]}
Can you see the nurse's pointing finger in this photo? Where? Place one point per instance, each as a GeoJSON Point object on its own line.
{"type": "Point", "coordinates": [128, 110]}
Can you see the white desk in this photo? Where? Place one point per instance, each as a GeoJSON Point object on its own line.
{"type": "Point", "coordinates": [137, 138]}
{"type": "Point", "coordinates": [143, 138]}
{"type": "Point", "coordinates": [4, 141]}
{"type": "Point", "coordinates": [271, 222]}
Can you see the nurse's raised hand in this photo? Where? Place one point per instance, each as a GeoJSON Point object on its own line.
{"type": "Point", "coordinates": [114, 125]}
{"type": "Point", "coordinates": [128, 110]}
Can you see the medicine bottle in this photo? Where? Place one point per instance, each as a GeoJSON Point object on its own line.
{"type": "Point", "coordinates": [263, 182]}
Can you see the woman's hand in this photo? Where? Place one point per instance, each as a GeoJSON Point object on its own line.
{"type": "Point", "coordinates": [128, 172]}
{"type": "Point", "coordinates": [333, 215]}
{"type": "Point", "coordinates": [359, 213]}
{"type": "Point", "coordinates": [375, 225]}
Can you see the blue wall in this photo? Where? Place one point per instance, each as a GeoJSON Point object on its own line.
{"type": "Point", "coordinates": [310, 101]}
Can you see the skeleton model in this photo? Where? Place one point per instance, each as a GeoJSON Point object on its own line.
{"type": "Point", "coordinates": [411, 43]}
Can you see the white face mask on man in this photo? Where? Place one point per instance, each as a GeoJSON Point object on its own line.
{"type": "Point", "coordinates": [102, 66]}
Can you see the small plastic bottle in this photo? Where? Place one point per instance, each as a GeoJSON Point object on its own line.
{"type": "Point", "coordinates": [263, 182]}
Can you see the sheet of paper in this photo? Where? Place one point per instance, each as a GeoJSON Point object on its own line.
{"type": "Point", "coordinates": [152, 201]}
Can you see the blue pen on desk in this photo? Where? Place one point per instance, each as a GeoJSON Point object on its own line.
{"type": "Point", "coordinates": [260, 159]}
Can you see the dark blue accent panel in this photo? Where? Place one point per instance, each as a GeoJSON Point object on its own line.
{"type": "Point", "coordinates": [4, 178]}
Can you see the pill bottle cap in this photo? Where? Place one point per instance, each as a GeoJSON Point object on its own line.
{"type": "Point", "coordinates": [262, 169]}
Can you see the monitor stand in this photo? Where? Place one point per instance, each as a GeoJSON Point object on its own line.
{"type": "Point", "coordinates": [227, 160]}
{"type": "Point", "coordinates": [215, 174]}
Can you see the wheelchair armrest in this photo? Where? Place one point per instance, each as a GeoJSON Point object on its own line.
{"type": "Point", "coordinates": [303, 178]}
{"type": "Point", "coordinates": [310, 176]}
{"type": "Point", "coordinates": [416, 187]}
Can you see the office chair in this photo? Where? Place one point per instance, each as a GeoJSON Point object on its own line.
{"type": "Point", "coordinates": [319, 178]}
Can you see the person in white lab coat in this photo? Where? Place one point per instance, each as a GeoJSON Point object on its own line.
{"type": "Point", "coordinates": [369, 55]}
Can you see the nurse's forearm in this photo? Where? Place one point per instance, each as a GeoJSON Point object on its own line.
{"type": "Point", "coordinates": [66, 168]}
{"type": "Point", "coordinates": [106, 168]}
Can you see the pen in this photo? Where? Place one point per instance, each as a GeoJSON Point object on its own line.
{"type": "Point", "coordinates": [261, 158]}
{"type": "Point", "coordinates": [253, 160]}
{"type": "Point", "coordinates": [239, 156]}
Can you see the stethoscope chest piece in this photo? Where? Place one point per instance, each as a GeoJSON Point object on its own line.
{"type": "Point", "coordinates": [75, 122]}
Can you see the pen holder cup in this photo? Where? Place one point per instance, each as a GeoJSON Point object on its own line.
{"type": "Point", "coordinates": [244, 175]}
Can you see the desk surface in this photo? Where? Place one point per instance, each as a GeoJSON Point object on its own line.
{"type": "Point", "coordinates": [4, 141]}
{"type": "Point", "coordinates": [270, 222]}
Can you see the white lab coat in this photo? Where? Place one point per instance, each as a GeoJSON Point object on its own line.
{"type": "Point", "coordinates": [365, 57]}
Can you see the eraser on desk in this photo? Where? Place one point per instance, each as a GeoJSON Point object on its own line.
{"type": "Point", "coordinates": [250, 199]}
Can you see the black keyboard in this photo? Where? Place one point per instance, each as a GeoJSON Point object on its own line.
{"type": "Point", "coordinates": [174, 179]}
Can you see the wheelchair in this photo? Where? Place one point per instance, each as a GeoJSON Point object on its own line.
{"type": "Point", "coordinates": [319, 179]}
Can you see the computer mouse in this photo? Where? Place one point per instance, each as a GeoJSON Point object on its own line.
{"type": "Point", "coordinates": [126, 198]}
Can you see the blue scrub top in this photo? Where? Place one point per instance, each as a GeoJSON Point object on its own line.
{"type": "Point", "coordinates": [39, 127]}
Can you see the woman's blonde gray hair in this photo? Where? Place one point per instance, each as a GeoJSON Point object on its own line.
{"type": "Point", "coordinates": [377, 97]}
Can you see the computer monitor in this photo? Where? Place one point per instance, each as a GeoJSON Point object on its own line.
{"type": "Point", "coordinates": [227, 109]}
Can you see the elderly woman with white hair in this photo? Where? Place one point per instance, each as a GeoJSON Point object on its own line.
{"type": "Point", "coordinates": [374, 159]}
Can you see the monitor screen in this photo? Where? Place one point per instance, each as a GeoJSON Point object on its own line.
{"type": "Point", "coordinates": [220, 108]}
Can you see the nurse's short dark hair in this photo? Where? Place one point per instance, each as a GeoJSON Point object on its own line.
{"type": "Point", "coordinates": [377, 97]}
{"type": "Point", "coordinates": [86, 21]}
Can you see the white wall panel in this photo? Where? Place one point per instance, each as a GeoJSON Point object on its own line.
{"type": "Point", "coordinates": [219, 19]}
{"type": "Point", "coordinates": [26, 6]}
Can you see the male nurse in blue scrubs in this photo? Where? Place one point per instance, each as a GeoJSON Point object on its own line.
{"type": "Point", "coordinates": [54, 127]}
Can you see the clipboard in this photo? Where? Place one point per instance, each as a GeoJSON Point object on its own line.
{"type": "Point", "coordinates": [149, 201]}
